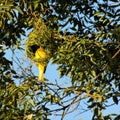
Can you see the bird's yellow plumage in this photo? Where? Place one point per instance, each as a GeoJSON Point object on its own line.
{"type": "Point", "coordinates": [41, 56]}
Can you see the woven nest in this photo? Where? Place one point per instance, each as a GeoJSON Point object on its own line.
{"type": "Point", "coordinates": [37, 38]}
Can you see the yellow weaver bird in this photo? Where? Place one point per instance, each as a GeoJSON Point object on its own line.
{"type": "Point", "coordinates": [41, 57]}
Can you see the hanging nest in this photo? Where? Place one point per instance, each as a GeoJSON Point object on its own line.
{"type": "Point", "coordinates": [37, 38]}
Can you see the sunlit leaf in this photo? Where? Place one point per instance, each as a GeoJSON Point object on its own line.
{"type": "Point", "coordinates": [19, 9]}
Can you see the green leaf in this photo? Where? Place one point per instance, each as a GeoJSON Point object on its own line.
{"type": "Point", "coordinates": [2, 11]}
{"type": "Point", "coordinates": [106, 20]}
{"type": "Point", "coordinates": [10, 16]}
{"type": "Point", "coordinates": [41, 5]}
{"type": "Point", "coordinates": [25, 108]}
{"type": "Point", "coordinates": [82, 41]}
{"type": "Point", "coordinates": [19, 10]}
{"type": "Point", "coordinates": [115, 99]}
{"type": "Point", "coordinates": [35, 4]}
{"type": "Point", "coordinates": [97, 13]}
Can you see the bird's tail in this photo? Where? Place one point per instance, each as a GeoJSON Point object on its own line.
{"type": "Point", "coordinates": [41, 68]}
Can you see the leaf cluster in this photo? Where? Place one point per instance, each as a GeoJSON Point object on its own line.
{"type": "Point", "coordinates": [81, 37]}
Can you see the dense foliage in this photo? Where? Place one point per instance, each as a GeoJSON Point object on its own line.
{"type": "Point", "coordinates": [84, 41]}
